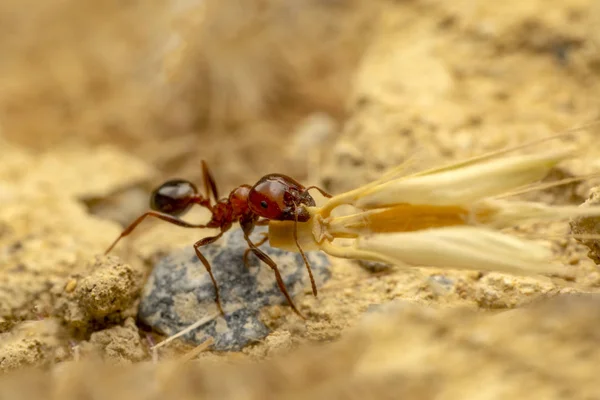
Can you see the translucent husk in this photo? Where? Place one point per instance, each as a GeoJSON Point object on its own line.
{"type": "Point", "coordinates": [461, 247]}
{"type": "Point", "coordinates": [462, 185]}
{"type": "Point", "coordinates": [446, 217]}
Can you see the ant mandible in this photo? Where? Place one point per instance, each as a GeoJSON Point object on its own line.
{"type": "Point", "coordinates": [274, 197]}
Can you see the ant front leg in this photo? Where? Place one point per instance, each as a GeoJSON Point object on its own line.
{"type": "Point", "coordinates": [310, 274]}
{"type": "Point", "coordinates": [197, 245]}
{"type": "Point", "coordinates": [267, 260]}
{"type": "Point", "coordinates": [165, 217]}
{"type": "Point", "coordinates": [265, 237]}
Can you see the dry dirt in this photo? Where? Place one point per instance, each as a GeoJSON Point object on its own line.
{"type": "Point", "coordinates": [100, 101]}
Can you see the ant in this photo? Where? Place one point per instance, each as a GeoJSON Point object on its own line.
{"type": "Point", "coordinates": [274, 197]}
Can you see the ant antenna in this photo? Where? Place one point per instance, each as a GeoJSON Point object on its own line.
{"type": "Point", "coordinates": [324, 193]}
{"type": "Point", "coordinates": [312, 279]}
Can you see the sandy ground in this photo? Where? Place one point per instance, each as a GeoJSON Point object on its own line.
{"type": "Point", "coordinates": [96, 108]}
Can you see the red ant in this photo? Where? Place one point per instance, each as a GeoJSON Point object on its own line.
{"type": "Point", "coordinates": [274, 197]}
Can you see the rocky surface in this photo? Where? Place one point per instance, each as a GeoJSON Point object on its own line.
{"type": "Point", "coordinates": [179, 291]}
{"type": "Point", "coordinates": [33, 344]}
{"type": "Point", "coordinates": [119, 344]}
{"type": "Point", "coordinates": [544, 350]}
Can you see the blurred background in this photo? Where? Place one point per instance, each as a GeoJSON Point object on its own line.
{"type": "Point", "coordinates": [236, 83]}
{"type": "Point", "coordinates": [327, 90]}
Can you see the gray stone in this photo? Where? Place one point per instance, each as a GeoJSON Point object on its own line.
{"type": "Point", "coordinates": [179, 291]}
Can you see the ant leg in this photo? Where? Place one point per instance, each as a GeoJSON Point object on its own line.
{"type": "Point", "coordinates": [197, 245]}
{"type": "Point", "coordinates": [165, 217]}
{"type": "Point", "coordinates": [261, 222]}
{"type": "Point", "coordinates": [209, 182]}
{"type": "Point", "coordinates": [312, 279]}
{"type": "Point", "coordinates": [265, 237]}
{"type": "Point", "coordinates": [324, 193]}
{"type": "Point", "coordinates": [267, 260]}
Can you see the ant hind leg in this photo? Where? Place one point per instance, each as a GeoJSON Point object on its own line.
{"type": "Point", "coordinates": [165, 217]}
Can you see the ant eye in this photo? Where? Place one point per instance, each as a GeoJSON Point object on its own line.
{"type": "Point", "coordinates": [263, 204]}
{"type": "Point", "coordinates": [173, 197]}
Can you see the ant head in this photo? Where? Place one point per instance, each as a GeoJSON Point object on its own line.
{"type": "Point", "coordinates": [173, 197]}
{"type": "Point", "coordinates": [279, 197]}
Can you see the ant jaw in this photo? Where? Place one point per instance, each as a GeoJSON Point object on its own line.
{"type": "Point", "coordinates": [307, 200]}
{"type": "Point", "coordinates": [301, 214]}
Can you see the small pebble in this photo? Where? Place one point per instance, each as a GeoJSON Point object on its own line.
{"type": "Point", "coordinates": [374, 266]}
{"type": "Point", "coordinates": [180, 292]}
{"type": "Point", "coordinates": [111, 288]}
{"type": "Point", "coordinates": [71, 285]}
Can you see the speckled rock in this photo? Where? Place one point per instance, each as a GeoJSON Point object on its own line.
{"type": "Point", "coordinates": [180, 292]}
